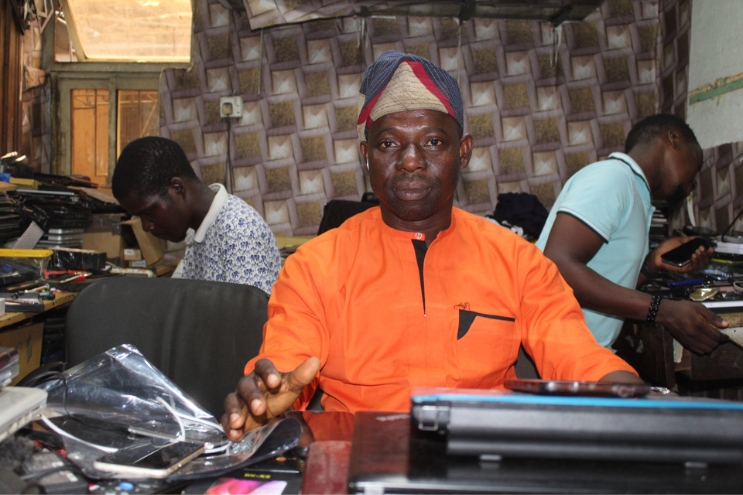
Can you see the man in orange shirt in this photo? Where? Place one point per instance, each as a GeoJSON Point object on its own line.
{"type": "Point", "coordinates": [415, 292]}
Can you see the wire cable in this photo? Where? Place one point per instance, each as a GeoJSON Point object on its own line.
{"type": "Point", "coordinates": [56, 429]}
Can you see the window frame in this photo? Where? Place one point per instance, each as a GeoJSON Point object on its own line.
{"type": "Point", "coordinates": [66, 76]}
{"type": "Point", "coordinates": [113, 83]}
{"type": "Point", "coordinates": [80, 52]}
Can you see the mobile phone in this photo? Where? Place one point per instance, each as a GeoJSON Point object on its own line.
{"type": "Point", "coordinates": [682, 254]}
{"type": "Point", "coordinates": [148, 460]}
{"type": "Point", "coordinates": [156, 429]}
{"type": "Point", "coordinates": [567, 387]}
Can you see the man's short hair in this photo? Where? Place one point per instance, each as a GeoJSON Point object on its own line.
{"type": "Point", "coordinates": [147, 165]}
{"type": "Point", "coordinates": [645, 131]}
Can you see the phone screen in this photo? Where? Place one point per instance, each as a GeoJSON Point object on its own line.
{"type": "Point", "coordinates": [567, 387]}
{"type": "Point", "coordinates": [682, 254]}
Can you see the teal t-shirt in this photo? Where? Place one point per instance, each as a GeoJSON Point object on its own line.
{"type": "Point", "coordinates": [612, 197]}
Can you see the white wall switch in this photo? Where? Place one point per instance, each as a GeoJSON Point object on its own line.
{"type": "Point", "coordinates": [231, 106]}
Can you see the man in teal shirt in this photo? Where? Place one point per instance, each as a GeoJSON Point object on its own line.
{"type": "Point", "coordinates": [597, 234]}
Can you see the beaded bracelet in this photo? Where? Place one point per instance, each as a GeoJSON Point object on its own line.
{"type": "Point", "coordinates": [653, 310]}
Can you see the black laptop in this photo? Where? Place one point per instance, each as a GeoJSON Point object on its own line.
{"type": "Point", "coordinates": [390, 455]}
{"type": "Point", "coordinates": [476, 441]}
{"type": "Point", "coordinates": [494, 424]}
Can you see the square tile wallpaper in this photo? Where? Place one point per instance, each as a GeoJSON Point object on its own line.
{"type": "Point", "coordinates": [541, 103]}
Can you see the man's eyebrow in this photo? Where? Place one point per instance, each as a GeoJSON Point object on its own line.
{"type": "Point", "coordinates": [428, 129]}
{"type": "Point", "coordinates": [435, 128]}
{"type": "Point", "coordinates": [144, 209]}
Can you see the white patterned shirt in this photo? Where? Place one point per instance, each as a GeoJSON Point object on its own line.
{"type": "Point", "coordinates": [232, 244]}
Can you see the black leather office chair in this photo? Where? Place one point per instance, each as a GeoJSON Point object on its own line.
{"type": "Point", "coordinates": [337, 211]}
{"type": "Point", "coordinates": [199, 334]}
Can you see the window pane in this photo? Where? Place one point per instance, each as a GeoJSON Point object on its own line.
{"type": "Point", "coordinates": [148, 31]}
{"type": "Point", "coordinates": [138, 116]}
{"type": "Point", "coordinates": [90, 134]}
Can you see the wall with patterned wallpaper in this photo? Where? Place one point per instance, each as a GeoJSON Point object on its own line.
{"type": "Point", "coordinates": [36, 104]}
{"type": "Point", "coordinates": [535, 122]}
{"type": "Point", "coordinates": [540, 104]}
{"type": "Point", "coordinates": [719, 194]}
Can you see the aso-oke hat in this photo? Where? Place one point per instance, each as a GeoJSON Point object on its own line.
{"type": "Point", "coordinates": [398, 81]}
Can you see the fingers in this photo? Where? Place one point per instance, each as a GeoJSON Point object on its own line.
{"type": "Point", "coordinates": [281, 399]}
{"type": "Point", "coordinates": [694, 326]}
{"type": "Point", "coordinates": [234, 416]}
{"type": "Point", "coordinates": [303, 375]}
{"type": "Point", "coordinates": [265, 370]}
{"type": "Point", "coordinates": [703, 344]}
{"type": "Point", "coordinates": [706, 333]}
{"type": "Point", "coordinates": [246, 407]}
{"type": "Point", "coordinates": [701, 258]}
{"type": "Point", "coordinates": [264, 394]}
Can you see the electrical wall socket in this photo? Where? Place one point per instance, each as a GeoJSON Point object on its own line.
{"type": "Point", "coordinates": [231, 106]}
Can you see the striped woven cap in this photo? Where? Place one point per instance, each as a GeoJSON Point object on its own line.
{"type": "Point", "coordinates": [398, 81]}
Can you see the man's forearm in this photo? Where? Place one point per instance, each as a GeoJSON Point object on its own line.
{"type": "Point", "coordinates": [600, 294]}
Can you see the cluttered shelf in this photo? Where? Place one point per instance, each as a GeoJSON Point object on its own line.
{"type": "Point", "coordinates": [70, 213]}
{"type": "Point", "coordinates": [60, 299]}
{"type": "Point", "coordinates": [660, 359]}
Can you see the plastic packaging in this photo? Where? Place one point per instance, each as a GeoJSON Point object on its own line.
{"type": "Point", "coordinates": [78, 259]}
{"type": "Point", "coordinates": [118, 399]}
{"type": "Point", "coordinates": [25, 261]}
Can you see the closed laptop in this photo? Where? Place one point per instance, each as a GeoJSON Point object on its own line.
{"type": "Point", "coordinates": [496, 424]}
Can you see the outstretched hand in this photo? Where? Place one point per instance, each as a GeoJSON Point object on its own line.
{"type": "Point", "coordinates": [264, 394]}
{"type": "Point", "coordinates": [694, 326]}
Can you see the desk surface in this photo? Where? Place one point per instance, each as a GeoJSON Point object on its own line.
{"type": "Point", "coordinates": [650, 350]}
{"type": "Point", "coordinates": [60, 299]}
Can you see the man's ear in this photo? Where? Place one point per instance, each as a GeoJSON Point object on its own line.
{"type": "Point", "coordinates": [364, 148]}
{"type": "Point", "coordinates": [674, 137]}
{"type": "Point", "coordinates": [465, 150]}
{"type": "Point", "coordinates": [178, 186]}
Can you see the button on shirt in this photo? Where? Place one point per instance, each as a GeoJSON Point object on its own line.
{"type": "Point", "coordinates": [232, 244]}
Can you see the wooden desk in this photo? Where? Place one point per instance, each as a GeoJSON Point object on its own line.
{"type": "Point", "coordinates": [60, 299]}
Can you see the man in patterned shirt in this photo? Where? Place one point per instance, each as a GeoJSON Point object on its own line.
{"type": "Point", "coordinates": [226, 239]}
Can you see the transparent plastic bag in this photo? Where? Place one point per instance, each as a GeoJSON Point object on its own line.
{"type": "Point", "coordinates": [117, 399]}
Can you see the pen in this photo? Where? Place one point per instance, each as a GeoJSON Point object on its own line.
{"type": "Point", "coordinates": [690, 281]}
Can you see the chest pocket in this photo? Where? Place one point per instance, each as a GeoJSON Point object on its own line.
{"type": "Point", "coordinates": [467, 318]}
{"type": "Point", "coordinates": [484, 346]}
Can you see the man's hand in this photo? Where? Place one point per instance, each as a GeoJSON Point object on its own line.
{"type": "Point", "coordinates": [699, 260]}
{"type": "Point", "coordinates": [621, 377]}
{"type": "Point", "coordinates": [264, 394]}
{"type": "Point", "coordinates": [694, 326]}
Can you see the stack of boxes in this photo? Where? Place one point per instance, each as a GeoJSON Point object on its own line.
{"type": "Point", "coordinates": [124, 242]}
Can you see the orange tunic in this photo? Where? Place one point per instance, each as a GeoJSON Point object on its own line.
{"type": "Point", "coordinates": [355, 298]}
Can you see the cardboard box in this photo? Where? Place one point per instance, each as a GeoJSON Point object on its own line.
{"type": "Point", "coordinates": [27, 339]}
{"type": "Point", "coordinates": [152, 250]}
{"type": "Point", "coordinates": [131, 254]}
{"type": "Point", "coordinates": [104, 235]}
{"type": "Point", "coordinates": [104, 242]}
